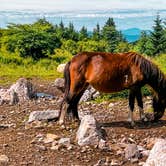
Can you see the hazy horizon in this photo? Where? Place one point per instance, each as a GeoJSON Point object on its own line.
{"type": "Point", "coordinates": [69, 5]}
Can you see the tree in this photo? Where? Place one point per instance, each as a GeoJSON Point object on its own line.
{"type": "Point", "coordinates": [70, 46]}
{"type": "Point", "coordinates": [157, 37]}
{"type": "Point", "coordinates": [32, 40]}
{"type": "Point", "coordinates": [83, 34]}
{"type": "Point", "coordinates": [110, 34]}
{"type": "Point", "coordinates": [72, 34]}
{"type": "Point", "coordinates": [144, 45]}
{"type": "Point", "coordinates": [96, 33]}
{"type": "Point", "coordinates": [165, 36]}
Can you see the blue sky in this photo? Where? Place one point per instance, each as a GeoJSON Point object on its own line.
{"type": "Point", "coordinates": [81, 4]}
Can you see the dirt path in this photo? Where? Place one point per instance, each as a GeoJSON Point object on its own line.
{"type": "Point", "coordinates": [17, 140]}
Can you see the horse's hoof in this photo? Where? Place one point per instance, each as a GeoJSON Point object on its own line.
{"type": "Point", "coordinates": [144, 119]}
{"type": "Point", "coordinates": [132, 124]}
{"type": "Point", "coordinates": [61, 122]}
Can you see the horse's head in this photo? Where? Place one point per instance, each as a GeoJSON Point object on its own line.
{"type": "Point", "coordinates": [159, 105]}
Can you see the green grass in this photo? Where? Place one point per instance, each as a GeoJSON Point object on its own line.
{"type": "Point", "coordinates": [13, 67]}
{"type": "Point", "coordinates": [161, 62]}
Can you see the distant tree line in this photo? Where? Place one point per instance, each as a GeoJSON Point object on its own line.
{"type": "Point", "coordinates": [45, 40]}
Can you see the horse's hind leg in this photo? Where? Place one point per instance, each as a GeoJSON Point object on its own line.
{"type": "Point", "coordinates": [63, 109]}
{"type": "Point", "coordinates": [70, 104]}
{"type": "Point", "coordinates": [131, 106]}
{"type": "Point", "coordinates": [72, 110]}
{"type": "Point", "coordinates": [140, 105]}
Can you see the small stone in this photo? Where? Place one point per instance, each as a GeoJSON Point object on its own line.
{"type": "Point", "coordinates": [50, 138]}
{"type": "Point", "coordinates": [114, 162]}
{"type": "Point", "coordinates": [99, 163]}
{"type": "Point", "coordinates": [54, 143]}
{"type": "Point", "coordinates": [119, 152]}
{"type": "Point", "coordinates": [141, 148]}
{"type": "Point", "coordinates": [145, 153]}
{"type": "Point", "coordinates": [39, 136]}
{"type": "Point", "coordinates": [56, 147]}
{"type": "Point", "coordinates": [141, 163]}
{"type": "Point", "coordinates": [41, 147]}
{"type": "Point", "coordinates": [4, 159]}
{"type": "Point", "coordinates": [5, 145]}
{"type": "Point", "coordinates": [64, 141]}
{"type": "Point", "coordinates": [131, 151]}
{"type": "Point", "coordinates": [111, 105]}
{"type": "Point", "coordinates": [33, 141]}
{"type": "Point", "coordinates": [107, 161]}
{"type": "Point", "coordinates": [134, 160]}
{"type": "Point", "coordinates": [70, 147]}
{"type": "Point", "coordinates": [131, 140]}
{"type": "Point", "coordinates": [102, 144]}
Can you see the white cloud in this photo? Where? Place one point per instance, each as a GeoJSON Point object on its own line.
{"type": "Point", "coordinates": [82, 4]}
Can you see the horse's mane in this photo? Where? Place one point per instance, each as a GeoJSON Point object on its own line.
{"type": "Point", "coordinates": [150, 71]}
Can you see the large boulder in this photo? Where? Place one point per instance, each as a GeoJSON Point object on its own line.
{"type": "Point", "coordinates": [89, 132]}
{"type": "Point", "coordinates": [43, 115]}
{"type": "Point", "coordinates": [157, 156]}
{"type": "Point", "coordinates": [59, 84]}
{"type": "Point", "coordinates": [19, 92]}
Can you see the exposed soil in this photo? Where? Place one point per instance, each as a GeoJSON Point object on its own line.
{"type": "Point", "coordinates": [16, 138]}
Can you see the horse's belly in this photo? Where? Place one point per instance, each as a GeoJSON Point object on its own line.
{"type": "Point", "coordinates": [110, 87]}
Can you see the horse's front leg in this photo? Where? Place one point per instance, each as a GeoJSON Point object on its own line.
{"type": "Point", "coordinates": [142, 115]}
{"type": "Point", "coordinates": [131, 107]}
{"type": "Point", "coordinates": [72, 113]}
{"type": "Point", "coordinates": [140, 106]}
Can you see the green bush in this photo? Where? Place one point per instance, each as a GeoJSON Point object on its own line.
{"type": "Point", "coordinates": [61, 56]}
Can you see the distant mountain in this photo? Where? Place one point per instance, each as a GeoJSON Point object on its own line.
{"type": "Point", "coordinates": [133, 34]}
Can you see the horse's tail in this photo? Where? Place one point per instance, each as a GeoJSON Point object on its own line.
{"type": "Point", "coordinates": [66, 84]}
{"type": "Point", "coordinates": [67, 80]}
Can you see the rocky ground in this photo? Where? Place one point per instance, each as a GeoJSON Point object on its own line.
{"type": "Point", "coordinates": [38, 143]}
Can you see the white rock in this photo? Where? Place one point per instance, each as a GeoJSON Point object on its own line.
{"type": "Point", "coordinates": [89, 133]}
{"type": "Point", "coordinates": [24, 89]}
{"type": "Point", "coordinates": [157, 156]}
{"type": "Point", "coordinates": [102, 144]}
{"type": "Point", "coordinates": [50, 138]}
{"type": "Point", "coordinates": [59, 83]}
{"type": "Point", "coordinates": [61, 68]}
{"type": "Point", "coordinates": [111, 105]}
{"type": "Point", "coordinates": [4, 159]}
{"type": "Point", "coordinates": [131, 151]}
{"type": "Point", "coordinates": [43, 115]}
{"type": "Point", "coordinates": [89, 94]}
{"type": "Point", "coordinates": [64, 141]}
{"type": "Point", "coordinates": [21, 91]}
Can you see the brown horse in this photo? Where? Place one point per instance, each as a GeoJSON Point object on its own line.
{"type": "Point", "coordinates": [107, 73]}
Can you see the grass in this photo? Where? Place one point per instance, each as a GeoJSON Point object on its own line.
{"type": "Point", "coordinates": [12, 68]}
{"type": "Point", "coordinates": [161, 62]}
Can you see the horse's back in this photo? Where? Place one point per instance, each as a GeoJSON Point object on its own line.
{"type": "Point", "coordinates": [107, 72]}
